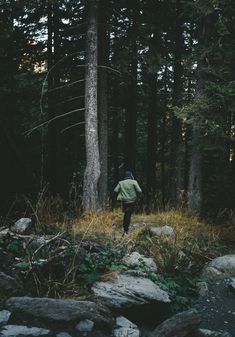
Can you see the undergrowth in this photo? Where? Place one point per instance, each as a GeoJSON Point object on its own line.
{"type": "Point", "coordinates": [72, 271]}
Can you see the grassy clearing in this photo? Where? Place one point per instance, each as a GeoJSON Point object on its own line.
{"type": "Point", "coordinates": [180, 259]}
{"type": "Point", "coordinates": [194, 240]}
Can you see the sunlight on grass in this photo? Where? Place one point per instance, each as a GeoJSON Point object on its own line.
{"type": "Point", "coordinates": [99, 225]}
{"type": "Point", "coordinates": [193, 238]}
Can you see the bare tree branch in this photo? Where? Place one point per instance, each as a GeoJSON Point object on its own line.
{"type": "Point", "coordinates": [71, 126]}
{"type": "Point", "coordinates": [66, 85]}
{"type": "Point", "coordinates": [27, 133]}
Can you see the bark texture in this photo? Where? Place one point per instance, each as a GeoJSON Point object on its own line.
{"type": "Point", "coordinates": [195, 173]}
{"type": "Point", "coordinates": [131, 109]}
{"type": "Point", "coordinates": [176, 183]}
{"type": "Point", "coordinates": [92, 171]}
{"type": "Point", "coordinates": [152, 139]}
{"type": "Point", "coordinates": [103, 104]}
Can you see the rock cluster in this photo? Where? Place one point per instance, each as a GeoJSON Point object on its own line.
{"type": "Point", "coordinates": [105, 313]}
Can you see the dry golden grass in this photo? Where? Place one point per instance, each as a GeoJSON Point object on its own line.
{"type": "Point", "coordinates": [99, 225]}
{"type": "Point", "coordinates": [103, 225]}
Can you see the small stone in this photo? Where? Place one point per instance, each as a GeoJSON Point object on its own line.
{"type": "Point", "coordinates": [4, 316]}
{"type": "Point", "coordinates": [126, 332]}
{"type": "Point", "coordinates": [85, 326]}
{"type": "Point", "coordinates": [21, 330]}
{"type": "Point", "coordinates": [163, 230]}
{"type": "Point", "coordinates": [22, 226]}
{"type": "Point", "coordinates": [137, 260]}
{"type": "Point", "coordinates": [123, 322]}
{"type": "Point", "coordinates": [63, 334]}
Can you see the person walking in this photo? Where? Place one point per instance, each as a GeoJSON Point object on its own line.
{"type": "Point", "coordinates": [127, 191]}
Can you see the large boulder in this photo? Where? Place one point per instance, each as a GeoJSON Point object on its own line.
{"type": "Point", "coordinates": [22, 226]}
{"type": "Point", "coordinates": [137, 260]}
{"type": "Point", "coordinates": [58, 310]}
{"type": "Point", "coordinates": [220, 268]}
{"type": "Point", "coordinates": [126, 291]}
{"type": "Point", "coordinates": [180, 325]}
{"type": "Point", "coordinates": [21, 330]}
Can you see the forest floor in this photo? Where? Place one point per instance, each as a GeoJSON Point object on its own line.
{"type": "Point", "coordinates": [218, 308]}
{"type": "Point", "coordinates": [180, 258]}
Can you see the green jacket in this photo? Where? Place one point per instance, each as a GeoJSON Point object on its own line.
{"type": "Point", "coordinates": [127, 190]}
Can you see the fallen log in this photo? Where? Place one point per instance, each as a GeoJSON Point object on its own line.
{"type": "Point", "coordinates": [180, 325]}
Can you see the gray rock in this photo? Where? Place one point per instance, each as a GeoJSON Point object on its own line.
{"type": "Point", "coordinates": [123, 322]}
{"type": "Point", "coordinates": [224, 264]}
{"type": "Point", "coordinates": [85, 326]}
{"type": "Point", "coordinates": [8, 283]}
{"type": "Point", "coordinates": [63, 334]}
{"type": "Point", "coordinates": [127, 291]}
{"type": "Point", "coordinates": [4, 232]}
{"type": "Point", "coordinates": [4, 316]}
{"type": "Point", "coordinates": [22, 226]}
{"type": "Point", "coordinates": [232, 285]}
{"type": "Point", "coordinates": [212, 274]}
{"type": "Point", "coordinates": [126, 332]}
{"type": "Point", "coordinates": [136, 260]}
{"type": "Point", "coordinates": [21, 330]}
{"type": "Point", "coordinates": [61, 310]}
{"type": "Point", "coordinates": [138, 225]}
{"type": "Point", "coordinates": [210, 333]}
{"type": "Point", "coordinates": [163, 230]}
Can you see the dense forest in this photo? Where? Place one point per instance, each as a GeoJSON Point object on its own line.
{"type": "Point", "coordinates": [91, 88]}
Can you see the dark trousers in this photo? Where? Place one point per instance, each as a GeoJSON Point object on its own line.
{"type": "Point", "coordinates": [128, 209]}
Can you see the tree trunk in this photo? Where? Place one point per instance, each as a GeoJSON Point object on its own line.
{"type": "Point", "coordinates": [163, 142]}
{"type": "Point", "coordinates": [51, 127]}
{"type": "Point", "coordinates": [131, 110]}
{"type": "Point", "coordinates": [152, 139]}
{"type": "Point", "coordinates": [92, 171]}
{"type": "Point", "coordinates": [176, 179]}
{"type": "Point", "coordinates": [195, 173]}
{"type": "Point", "coordinates": [195, 197]}
{"type": "Point", "coordinates": [103, 105]}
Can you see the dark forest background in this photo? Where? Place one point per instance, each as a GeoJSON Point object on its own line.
{"type": "Point", "coordinates": [166, 107]}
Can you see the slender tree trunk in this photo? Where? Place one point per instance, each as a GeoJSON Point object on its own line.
{"type": "Point", "coordinates": [195, 173]}
{"type": "Point", "coordinates": [195, 197]}
{"type": "Point", "coordinates": [152, 139]}
{"type": "Point", "coordinates": [176, 179]}
{"type": "Point", "coordinates": [92, 171]}
{"type": "Point", "coordinates": [163, 142]}
{"type": "Point", "coordinates": [51, 127]}
{"type": "Point", "coordinates": [103, 104]}
{"type": "Point", "coordinates": [131, 111]}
